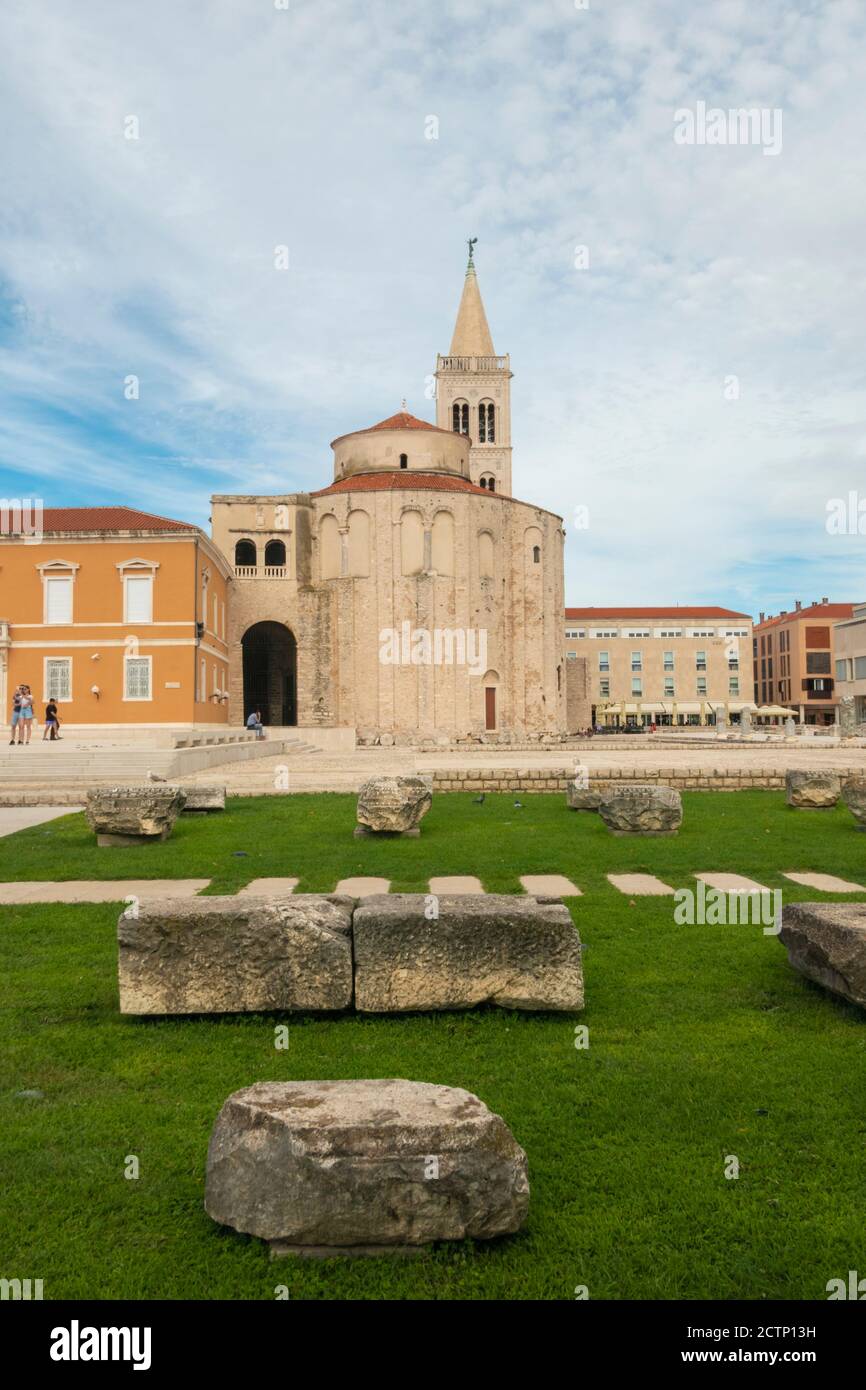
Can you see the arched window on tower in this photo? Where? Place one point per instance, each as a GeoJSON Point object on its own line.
{"type": "Point", "coordinates": [275, 555]}
{"type": "Point", "coordinates": [460, 417]}
{"type": "Point", "coordinates": [486, 423]}
{"type": "Point", "coordinates": [487, 480]}
{"type": "Point", "coordinates": [245, 554]}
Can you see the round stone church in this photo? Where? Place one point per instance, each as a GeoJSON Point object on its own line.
{"type": "Point", "coordinates": [413, 599]}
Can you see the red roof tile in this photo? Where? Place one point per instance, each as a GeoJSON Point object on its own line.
{"type": "Point", "coordinates": [836, 611]}
{"type": "Point", "coordinates": [660, 611]}
{"type": "Point", "coordinates": [108, 519]}
{"type": "Point", "coordinates": [392, 481]}
{"type": "Point", "coordinates": [401, 421]}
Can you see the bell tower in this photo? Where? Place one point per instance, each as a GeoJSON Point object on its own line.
{"type": "Point", "coordinates": [473, 391]}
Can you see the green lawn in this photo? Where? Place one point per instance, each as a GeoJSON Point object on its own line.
{"type": "Point", "coordinates": [703, 1043]}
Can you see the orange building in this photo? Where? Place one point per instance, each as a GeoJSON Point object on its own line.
{"type": "Point", "coordinates": [793, 659]}
{"type": "Point", "coordinates": [118, 615]}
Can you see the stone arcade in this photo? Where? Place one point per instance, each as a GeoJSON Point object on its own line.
{"type": "Point", "coordinates": [419, 532]}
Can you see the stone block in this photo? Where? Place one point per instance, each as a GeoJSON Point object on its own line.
{"type": "Point", "coordinates": [133, 815]}
{"type": "Point", "coordinates": [393, 805]}
{"type": "Point", "coordinates": [826, 942]}
{"type": "Point", "coordinates": [639, 809]}
{"type": "Point", "coordinates": [812, 790]}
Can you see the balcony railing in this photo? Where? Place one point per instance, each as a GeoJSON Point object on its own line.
{"type": "Point", "coordinates": [260, 571]}
{"type": "Point", "coordinates": [473, 364]}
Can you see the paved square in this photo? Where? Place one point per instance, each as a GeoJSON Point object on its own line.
{"type": "Point", "coordinates": [263, 887]}
{"type": "Point", "coordinates": [640, 885]}
{"type": "Point", "coordinates": [107, 891]}
{"type": "Point", "coordinates": [826, 883]}
{"type": "Point", "coordinates": [456, 884]}
{"type": "Point", "coordinates": [550, 886]}
{"type": "Point", "coordinates": [362, 887]}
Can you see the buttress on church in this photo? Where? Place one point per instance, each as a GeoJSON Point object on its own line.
{"type": "Point", "coordinates": [412, 599]}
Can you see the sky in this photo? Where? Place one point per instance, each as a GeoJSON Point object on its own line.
{"type": "Point", "coordinates": [685, 319]}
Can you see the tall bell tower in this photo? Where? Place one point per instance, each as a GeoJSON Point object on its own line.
{"type": "Point", "coordinates": [473, 390]}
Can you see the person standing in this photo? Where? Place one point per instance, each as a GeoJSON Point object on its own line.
{"type": "Point", "coordinates": [16, 715]}
{"type": "Point", "coordinates": [26, 716]}
{"type": "Point", "coordinates": [52, 723]}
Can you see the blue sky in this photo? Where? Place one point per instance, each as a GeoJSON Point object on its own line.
{"type": "Point", "coordinates": [306, 127]}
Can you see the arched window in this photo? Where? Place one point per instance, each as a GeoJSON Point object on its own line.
{"type": "Point", "coordinates": [536, 554]}
{"type": "Point", "coordinates": [411, 542]}
{"type": "Point", "coordinates": [404, 460]}
{"type": "Point", "coordinates": [275, 554]}
{"type": "Point", "coordinates": [486, 423]}
{"type": "Point", "coordinates": [460, 417]}
{"type": "Point", "coordinates": [485, 554]}
{"type": "Point", "coordinates": [442, 548]}
{"type": "Point", "coordinates": [483, 482]}
{"type": "Point", "coordinates": [329, 547]}
{"type": "Point", "coordinates": [488, 481]}
{"type": "Point", "coordinates": [245, 553]}
{"type": "Point", "coordinates": [359, 543]}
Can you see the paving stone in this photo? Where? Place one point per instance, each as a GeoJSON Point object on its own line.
{"type": "Point", "coordinates": [457, 883]}
{"type": "Point", "coordinates": [362, 887]}
{"type": "Point", "coordinates": [268, 887]}
{"type": "Point", "coordinates": [550, 886]}
{"type": "Point", "coordinates": [14, 818]}
{"type": "Point", "coordinates": [731, 883]}
{"type": "Point", "coordinates": [826, 883]}
{"type": "Point", "coordinates": [104, 891]}
{"type": "Point", "coordinates": [640, 885]}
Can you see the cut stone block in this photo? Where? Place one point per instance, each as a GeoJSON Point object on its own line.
{"type": "Point", "coordinates": [549, 886]}
{"type": "Point", "coordinates": [268, 887]}
{"type": "Point", "coordinates": [826, 883]}
{"type": "Point", "coordinates": [731, 883]}
{"type": "Point", "coordinates": [201, 799]}
{"type": "Point", "coordinates": [854, 796]}
{"type": "Point", "coordinates": [362, 887]}
{"type": "Point", "coordinates": [110, 890]}
{"type": "Point", "coordinates": [487, 948]}
{"type": "Point", "coordinates": [826, 942]}
{"type": "Point", "coordinates": [640, 885]}
{"type": "Point", "coordinates": [582, 798]}
{"type": "Point", "coordinates": [812, 790]}
{"type": "Point", "coordinates": [456, 883]}
{"type": "Point", "coordinates": [363, 1166]}
{"type": "Point", "coordinates": [235, 954]}
{"type": "Point", "coordinates": [133, 815]}
{"type": "Point", "coordinates": [642, 809]}
{"type": "Point", "coordinates": [393, 805]}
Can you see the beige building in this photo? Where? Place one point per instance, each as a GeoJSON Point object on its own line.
{"type": "Point", "coordinates": [412, 598]}
{"type": "Point", "coordinates": [660, 665]}
{"type": "Point", "coordinates": [793, 659]}
{"type": "Point", "coordinates": [849, 644]}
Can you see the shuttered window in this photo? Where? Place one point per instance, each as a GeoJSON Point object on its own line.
{"type": "Point", "coordinates": [58, 600]}
{"type": "Point", "coordinates": [139, 599]}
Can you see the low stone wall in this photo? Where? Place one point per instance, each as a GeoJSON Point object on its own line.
{"type": "Point", "coordinates": [541, 779]}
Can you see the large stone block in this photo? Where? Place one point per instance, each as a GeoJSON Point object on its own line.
{"type": "Point", "coordinates": [131, 815]}
{"type": "Point", "coordinates": [826, 942]}
{"type": "Point", "coordinates": [480, 948]}
{"type": "Point", "coordinates": [337, 1166]}
{"type": "Point", "coordinates": [854, 796]}
{"type": "Point", "coordinates": [393, 804]}
{"type": "Point", "coordinates": [235, 954]}
{"type": "Point", "coordinates": [812, 790]}
{"type": "Point", "coordinates": [582, 798]}
{"type": "Point", "coordinates": [203, 799]}
{"type": "Point", "coordinates": [640, 809]}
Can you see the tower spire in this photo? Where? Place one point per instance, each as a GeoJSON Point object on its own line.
{"type": "Point", "coordinates": [471, 332]}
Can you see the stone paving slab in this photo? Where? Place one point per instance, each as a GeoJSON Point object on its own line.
{"type": "Point", "coordinates": [640, 885]}
{"type": "Point", "coordinates": [455, 883]}
{"type": "Point", "coordinates": [826, 883]}
{"type": "Point", "coordinates": [731, 883]}
{"type": "Point", "coordinates": [550, 886]}
{"type": "Point", "coordinates": [14, 818]}
{"type": "Point", "coordinates": [265, 887]}
{"type": "Point", "coordinates": [104, 891]}
{"type": "Point", "coordinates": [363, 887]}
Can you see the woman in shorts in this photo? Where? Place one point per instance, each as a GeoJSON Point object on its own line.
{"type": "Point", "coordinates": [26, 717]}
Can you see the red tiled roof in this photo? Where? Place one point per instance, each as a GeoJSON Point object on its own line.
{"type": "Point", "coordinates": [671, 611]}
{"type": "Point", "coordinates": [108, 519]}
{"type": "Point", "coordinates": [401, 421]}
{"type": "Point", "coordinates": [392, 481]}
{"type": "Point", "coordinates": [837, 611]}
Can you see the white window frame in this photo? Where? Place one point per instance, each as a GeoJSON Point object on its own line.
{"type": "Point", "coordinates": [138, 699]}
{"type": "Point", "coordinates": [45, 688]}
{"type": "Point", "coordinates": [134, 575]}
{"type": "Point", "coordinates": [58, 569]}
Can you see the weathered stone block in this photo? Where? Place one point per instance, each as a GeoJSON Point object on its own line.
{"type": "Point", "coordinates": [854, 796]}
{"type": "Point", "coordinates": [204, 799]}
{"type": "Point", "coordinates": [235, 954]}
{"type": "Point", "coordinates": [638, 809]}
{"type": "Point", "coordinates": [582, 798]}
{"type": "Point", "coordinates": [481, 948]}
{"type": "Point", "coordinates": [826, 942]}
{"type": "Point", "coordinates": [393, 804]}
{"type": "Point", "coordinates": [132, 815]}
{"type": "Point", "coordinates": [346, 1165]}
{"type": "Point", "coordinates": [812, 790]}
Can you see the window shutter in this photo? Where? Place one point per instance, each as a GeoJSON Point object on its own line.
{"type": "Point", "coordinates": [139, 599]}
{"type": "Point", "coordinates": [59, 600]}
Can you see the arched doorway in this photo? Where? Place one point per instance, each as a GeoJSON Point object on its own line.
{"type": "Point", "coordinates": [270, 658]}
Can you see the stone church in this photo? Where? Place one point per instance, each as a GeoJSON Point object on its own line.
{"type": "Point", "coordinates": [413, 598]}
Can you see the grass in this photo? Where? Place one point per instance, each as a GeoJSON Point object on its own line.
{"type": "Point", "coordinates": [703, 1043]}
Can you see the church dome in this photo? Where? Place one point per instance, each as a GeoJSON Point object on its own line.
{"type": "Point", "coordinates": [402, 442]}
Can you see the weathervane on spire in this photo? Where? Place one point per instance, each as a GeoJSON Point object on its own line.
{"type": "Point", "coordinates": [472, 241]}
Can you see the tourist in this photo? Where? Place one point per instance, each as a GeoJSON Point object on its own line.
{"type": "Point", "coordinates": [255, 722]}
{"type": "Point", "coordinates": [26, 715]}
{"type": "Point", "coordinates": [52, 723]}
{"type": "Point", "coordinates": [16, 715]}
